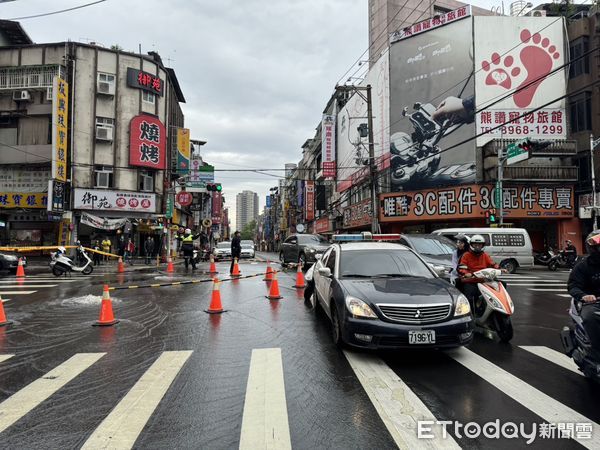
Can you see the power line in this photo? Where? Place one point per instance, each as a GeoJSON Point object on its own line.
{"type": "Point", "coordinates": [58, 12]}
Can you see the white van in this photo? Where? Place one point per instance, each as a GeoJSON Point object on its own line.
{"type": "Point", "coordinates": [510, 247]}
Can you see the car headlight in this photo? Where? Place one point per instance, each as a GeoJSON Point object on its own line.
{"type": "Point", "coordinates": [462, 306]}
{"type": "Point", "coordinates": [358, 308]}
{"type": "Point", "coordinates": [310, 250]}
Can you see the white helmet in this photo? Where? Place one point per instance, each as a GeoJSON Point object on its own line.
{"type": "Point", "coordinates": [188, 231]}
{"type": "Point", "coordinates": [61, 249]}
{"type": "Point", "coordinates": [477, 239]}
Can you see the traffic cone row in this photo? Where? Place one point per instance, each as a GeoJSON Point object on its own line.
{"type": "Point", "coordinates": [20, 269]}
{"type": "Point", "coordinates": [215, 302]}
{"type": "Point", "coordinates": [3, 320]}
{"type": "Point", "coordinates": [170, 268]}
{"type": "Point", "coordinates": [121, 266]}
{"type": "Point", "coordinates": [269, 272]}
{"type": "Point", "coordinates": [107, 317]}
{"type": "Point", "coordinates": [213, 266]}
{"type": "Point", "coordinates": [300, 283]}
{"type": "Point", "coordinates": [236, 269]}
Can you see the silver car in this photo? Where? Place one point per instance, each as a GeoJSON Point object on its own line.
{"type": "Point", "coordinates": [222, 250]}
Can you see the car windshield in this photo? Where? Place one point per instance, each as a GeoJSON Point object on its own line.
{"type": "Point", "coordinates": [247, 243]}
{"type": "Point", "coordinates": [247, 246]}
{"type": "Point", "coordinates": [434, 246]}
{"type": "Point", "coordinates": [312, 239]}
{"type": "Point", "coordinates": [223, 245]}
{"type": "Point", "coordinates": [383, 263]}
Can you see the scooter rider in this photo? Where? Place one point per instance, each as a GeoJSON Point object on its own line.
{"type": "Point", "coordinates": [584, 287]}
{"type": "Point", "coordinates": [462, 246]}
{"type": "Point", "coordinates": [187, 246]}
{"type": "Point", "coordinates": [570, 252]}
{"type": "Point", "coordinates": [472, 261]}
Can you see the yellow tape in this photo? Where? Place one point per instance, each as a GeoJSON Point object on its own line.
{"type": "Point", "coordinates": [101, 252]}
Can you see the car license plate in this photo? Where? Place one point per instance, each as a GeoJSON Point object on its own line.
{"type": "Point", "coordinates": [421, 337]}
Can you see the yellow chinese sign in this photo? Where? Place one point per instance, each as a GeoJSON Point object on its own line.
{"type": "Point", "coordinates": [60, 117]}
{"type": "Point", "coordinates": [183, 151]}
{"type": "Point", "coordinates": [36, 200]}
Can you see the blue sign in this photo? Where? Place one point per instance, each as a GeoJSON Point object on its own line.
{"type": "Point", "coordinates": [268, 201]}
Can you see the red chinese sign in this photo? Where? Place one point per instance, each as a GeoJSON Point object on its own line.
{"type": "Point", "coordinates": [358, 215]}
{"type": "Point", "coordinates": [217, 205]}
{"type": "Point", "coordinates": [328, 145]}
{"type": "Point", "coordinates": [322, 225]}
{"type": "Point", "coordinates": [309, 212]}
{"type": "Point", "coordinates": [147, 142]}
{"type": "Point", "coordinates": [435, 22]}
{"type": "Point", "coordinates": [144, 80]}
{"type": "Point", "coordinates": [184, 198]}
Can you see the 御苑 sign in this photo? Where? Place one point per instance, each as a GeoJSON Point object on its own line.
{"type": "Point", "coordinates": [32, 200]}
{"type": "Point", "coordinates": [144, 80]}
{"type": "Point", "coordinates": [101, 200]}
{"type": "Point", "coordinates": [60, 117]}
{"type": "Point", "coordinates": [147, 142]}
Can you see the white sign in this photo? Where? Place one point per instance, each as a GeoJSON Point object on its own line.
{"type": "Point", "coordinates": [101, 200]}
{"type": "Point", "coordinates": [328, 145]}
{"type": "Point", "coordinates": [514, 62]}
{"type": "Point", "coordinates": [101, 222]}
{"type": "Point", "coordinates": [429, 24]}
{"type": "Point", "coordinates": [24, 179]}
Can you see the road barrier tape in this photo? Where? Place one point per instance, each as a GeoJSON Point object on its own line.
{"type": "Point", "coordinates": [180, 283]}
{"type": "Point", "coordinates": [52, 247]}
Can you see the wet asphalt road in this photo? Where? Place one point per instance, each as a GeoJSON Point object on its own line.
{"type": "Point", "coordinates": [204, 404]}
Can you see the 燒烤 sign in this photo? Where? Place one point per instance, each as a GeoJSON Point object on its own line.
{"type": "Point", "coordinates": [147, 142]}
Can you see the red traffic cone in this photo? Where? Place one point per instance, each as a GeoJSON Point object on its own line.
{"type": "Point", "coordinates": [20, 269]}
{"type": "Point", "coordinates": [3, 320]}
{"type": "Point", "coordinates": [269, 272]}
{"type": "Point", "coordinates": [236, 269]}
{"type": "Point", "coordinates": [106, 312]}
{"type": "Point", "coordinates": [300, 283]}
{"type": "Point", "coordinates": [215, 302]}
{"type": "Point", "coordinates": [121, 266]}
{"type": "Point", "coordinates": [274, 290]}
{"type": "Point", "coordinates": [170, 268]}
{"type": "Point", "coordinates": [213, 266]}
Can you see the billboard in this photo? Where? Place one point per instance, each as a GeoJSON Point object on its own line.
{"type": "Point", "coordinates": [309, 207]}
{"type": "Point", "coordinates": [147, 142]}
{"type": "Point", "coordinates": [60, 121]}
{"type": "Point", "coordinates": [102, 200]}
{"type": "Point", "coordinates": [328, 145]}
{"type": "Point", "coordinates": [183, 151]}
{"type": "Point", "coordinates": [354, 113]}
{"type": "Point", "coordinates": [514, 58]}
{"type": "Point", "coordinates": [432, 108]}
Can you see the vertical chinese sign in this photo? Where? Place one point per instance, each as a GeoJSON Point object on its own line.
{"type": "Point", "coordinates": [328, 145]}
{"type": "Point", "coordinates": [147, 142]}
{"type": "Point", "coordinates": [310, 201]}
{"type": "Point", "coordinates": [183, 151]}
{"type": "Point", "coordinates": [60, 119]}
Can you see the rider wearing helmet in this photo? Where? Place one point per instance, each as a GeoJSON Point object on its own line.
{"type": "Point", "coordinates": [462, 246]}
{"type": "Point", "coordinates": [187, 246]}
{"type": "Point", "coordinates": [472, 261]}
{"type": "Point", "coordinates": [584, 287]}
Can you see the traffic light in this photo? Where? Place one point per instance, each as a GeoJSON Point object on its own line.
{"type": "Point", "coordinates": [493, 216]}
{"type": "Point", "coordinates": [490, 216]}
{"type": "Point", "coordinates": [214, 187]}
{"type": "Point", "coordinates": [529, 145]}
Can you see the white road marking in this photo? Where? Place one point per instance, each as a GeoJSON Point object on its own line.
{"type": "Point", "coordinates": [553, 356]}
{"type": "Point", "coordinates": [35, 280]}
{"type": "Point", "coordinates": [16, 286]}
{"type": "Point", "coordinates": [541, 283]}
{"type": "Point", "coordinates": [121, 428]}
{"type": "Point", "coordinates": [548, 290]}
{"type": "Point", "coordinates": [23, 401]}
{"type": "Point", "coordinates": [5, 357]}
{"type": "Point", "coordinates": [17, 292]}
{"type": "Point", "coordinates": [265, 422]}
{"type": "Point", "coordinates": [398, 406]}
{"type": "Point", "coordinates": [564, 295]}
{"type": "Point", "coordinates": [546, 407]}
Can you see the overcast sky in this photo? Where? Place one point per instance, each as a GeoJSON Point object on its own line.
{"type": "Point", "coordinates": [256, 74]}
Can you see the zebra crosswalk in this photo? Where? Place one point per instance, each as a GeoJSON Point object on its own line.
{"type": "Point", "coordinates": [31, 284]}
{"type": "Point", "coordinates": [265, 422]}
{"type": "Point", "coordinates": [535, 283]}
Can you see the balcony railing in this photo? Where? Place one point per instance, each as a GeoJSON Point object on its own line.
{"type": "Point", "coordinates": [560, 147]}
{"type": "Point", "coordinates": [541, 173]}
{"type": "Point", "coordinates": [28, 77]}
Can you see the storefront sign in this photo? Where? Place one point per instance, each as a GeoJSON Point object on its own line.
{"type": "Point", "coordinates": [169, 212]}
{"type": "Point", "coordinates": [56, 190]}
{"type": "Point", "coordinates": [24, 179]}
{"type": "Point", "coordinates": [429, 24]}
{"type": "Point", "coordinates": [217, 204]}
{"type": "Point", "coordinates": [60, 120]}
{"type": "Point", "coordinates": [102, 223]}
{"type": "Point", "coordinates": [470, 202]}
{"type": "Point", "coordinates": [64, 231]}
{"type": "Point", "coordinates": [144, 80]}
{"type": "Point", "coordinates": [328, 145]}
{"type": "Point", "coordinates": [309, 212]}
{"type": "Point", "coordinates": [184, 198]}
{"type": "Point", "coordinates": [147, 142]}
{"type": "Point", "coordinates": [321, 226]}
{"type": "Point", "coordinates": [101, 200]}
{"type": "Point", "coordinates": [183, 151]}
{"type": "Point", "coordinates": [28, 200]}
{"type": "Point", "coordinates": [358, 215]}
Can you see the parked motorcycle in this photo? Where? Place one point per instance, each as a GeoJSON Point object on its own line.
{"type": "Point", "coordinates": [493, 308]}
{"type": "Point", "coordinates": [559, 260]}
{"type": "Point", "coordinates": [543, 258]}
{"type": "Point", "coordinates": [577, 345]}
{"type": "Point", "coordinates": [61, 264]}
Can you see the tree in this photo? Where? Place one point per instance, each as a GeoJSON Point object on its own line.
{"type": "Point", "coordinates": [249, 231]}
{"type": "Point", "coordinates": [116, 47]}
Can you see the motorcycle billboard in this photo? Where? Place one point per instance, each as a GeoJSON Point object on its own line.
{"type": "Point", "coordinates": [432, 108]}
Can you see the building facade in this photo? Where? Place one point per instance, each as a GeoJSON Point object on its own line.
{"type": "Point", "coordinates": [246, 208]}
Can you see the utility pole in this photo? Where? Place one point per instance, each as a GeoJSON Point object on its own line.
{"type": "Point", "coordinates": [593, 145]}
{"type": "Point", "coordinates": [499, 192]}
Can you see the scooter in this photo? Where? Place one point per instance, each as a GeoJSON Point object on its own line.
{"type": "Point", "coordinates": [577, 345]}
{"type": "Point", "coordinates": [62, 265]}
{"type": "Point", "coordinates": [493, 308]}
{"type": "Point", "coordinates": [559, 260]}
{"type": "Point", "coordinates": [543, 258]}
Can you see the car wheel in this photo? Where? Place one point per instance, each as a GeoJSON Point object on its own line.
{"type": "Point", "coordinates": [281, 258]}
{"type": "Point", "coordinates": [510, 265]}
{"type": "Point", "coordinates": [504, 327]}
{"type": "Point", "coordinates": [336, 326]}
{"type": "Point", "coordinates": [309, 291]}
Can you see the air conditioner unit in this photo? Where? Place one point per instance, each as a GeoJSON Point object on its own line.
{"type": "Point", "coordinates": [537, 13]}
{"type": "Point", "coordinates": [104, 133]}
{"type": "Point", "coordinates": [49, 94]}
{"type": "Point", "coordinates": [21, 96]}
{"type": "Point", "coordinates": [106, 88]}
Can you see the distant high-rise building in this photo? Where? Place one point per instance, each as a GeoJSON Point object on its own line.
{"type": "Point", "coordinates": [246, 209]}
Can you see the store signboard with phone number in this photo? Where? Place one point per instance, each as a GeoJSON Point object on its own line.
{"type": "Point", "coordinates": [545, 123]}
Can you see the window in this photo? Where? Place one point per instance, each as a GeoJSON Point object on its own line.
{"type": "Point", "coordinates": [104, 176]}
{"type": "Point", "coordinates": [148, 97]}
{"type": "Point", "coordinates": [582, 65]}
{"type": "Point", "coordinates": [486, 237]}
{"type": "Point", "coordinates": [435, 246]}
{"type": "Point", "coordinates": [146, 181]}
{"type": "Point", "coordinates": [312, 239]}
{"type": "Point", "coordinates": [106, 77]}
{"type": "Point", "coordinates": [580, 112]}
{"type": "Point", "coordinates": [508, 240]}
{"type": "Point", "coordinates": [104, 121]}
{"type": "Point", "coordinates": [106, 84]}
{"type": "Point", "coordinates": [392, 263]}
{"type": "Point", "coordinates": [331, 261]}
{"type": "Point", "coordinates": [291, 240]}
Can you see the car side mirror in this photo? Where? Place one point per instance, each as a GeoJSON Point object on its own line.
{"type": "Point", "coordinates": [325, 272]}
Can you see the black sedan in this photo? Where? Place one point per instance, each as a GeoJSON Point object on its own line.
{"type": "Point", "coordinates": [383, 295]}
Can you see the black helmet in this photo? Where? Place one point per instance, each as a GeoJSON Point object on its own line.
{"type": "Point", "coordinates": [592, 242]}
{"type": "Point", "coordinates": [462, 238]}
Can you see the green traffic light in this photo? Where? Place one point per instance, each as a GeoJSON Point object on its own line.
{"type": "Point", "coordinates": [219, 188]}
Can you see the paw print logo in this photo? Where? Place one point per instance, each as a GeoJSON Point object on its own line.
{"type": "Point", "coordinates": [499, 71]}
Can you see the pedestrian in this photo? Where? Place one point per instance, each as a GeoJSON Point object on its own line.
{"type": "Point", "coordinates": [149, 248]}
{"type": "Point", "coordinates": [106, 246]}
{"type": "Point", "coordinates": [129, 251]}
{"type": "Point", "coordinates": [97, 255]}
{"type": "Point", "coordinates": [121, 246]}
{"type": "Point", "coordinates": [187, 247]}
{"type": "Point", "coordinates": [236, 249]}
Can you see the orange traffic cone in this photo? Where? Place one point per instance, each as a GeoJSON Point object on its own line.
{"type": "Point", "coordinates": [20, 270]}
{"type": "Point", "coordinates": [3, 320]}
{"type": "Point", "coordinates": [269, 272]}
{"type": "Point", "coordinates": [213, 266]}
{"type": "Point", "coordinates": [236, 269]}
{"type": "Point", "coordinates": [170, 268]}
{"type": "Point", "coordinates": [106, 312]}
{"type": "Point", "coordinates": [274, 290]}
{"type": "Point", "coordinates": [121, 267]}
{"type": "Point", "coordinates": [215, 302]}
{"type": "Point", "coordinates": [300, 283]}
